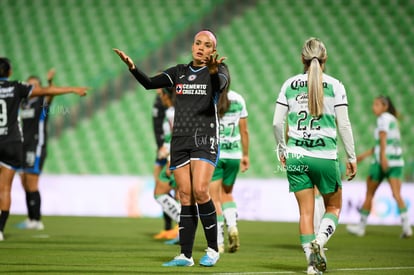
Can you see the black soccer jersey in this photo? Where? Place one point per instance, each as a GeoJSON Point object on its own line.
{"type": "Point", "coordinates": [196, 99]}
{"type": "Point", "coordinates": [11, 94]}
{"type": "Point", "coordinates": [34, 114]}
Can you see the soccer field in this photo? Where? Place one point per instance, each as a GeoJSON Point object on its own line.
{"type": "Point", "coordinates": [93, 245]}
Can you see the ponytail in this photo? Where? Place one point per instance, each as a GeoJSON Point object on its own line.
{"type": "Point", "coordinates": [314, 56]}
{"type": "Point", "coordinates": [315, 88]}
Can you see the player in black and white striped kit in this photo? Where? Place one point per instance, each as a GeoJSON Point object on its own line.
{"type": "Point", "coordinates": [11, 143]}
{"type": "Point", "coordinates": [194, 145]}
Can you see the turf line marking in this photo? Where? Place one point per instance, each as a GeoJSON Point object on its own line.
{"type": "Point", "coordinates": [338, 269]}
{"type": "Point", "coordinates": [246, 273]}
{"type": "Point", "coordinates": [374, 268]}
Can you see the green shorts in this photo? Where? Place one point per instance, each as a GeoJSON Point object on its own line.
{"type": "Point", "coordinates": [306, 172]}
{"type": "Point", "coordinates": [376, 173]}
{"type": "Point", "coordinates": [163, 177]}
{"type": "Point", "coordinates": [227, 169]}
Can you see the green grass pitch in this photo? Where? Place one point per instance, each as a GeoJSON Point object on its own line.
{"type": "Point", "coordinates": [95, 245]}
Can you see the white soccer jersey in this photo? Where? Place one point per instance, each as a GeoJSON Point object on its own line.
{"type": "Point", "coordinates": [168, 124]}
{"type": "Point", "coordinates": [307, 135]}
{"type": "Point", "coordinates": [387, 123]}
{"type": "Point", "coordinates": [230, 140]}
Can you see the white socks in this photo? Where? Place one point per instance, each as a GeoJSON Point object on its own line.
{"type": "Point", "coordinates": [170, 206]}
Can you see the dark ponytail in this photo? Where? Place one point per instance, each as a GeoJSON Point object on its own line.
{"type": "Point", "coordinates": [224, 102]}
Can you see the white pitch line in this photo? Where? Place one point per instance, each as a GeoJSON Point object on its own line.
{"type": "Point", "coordinates": [338, 269]}
{"type": "Point", "coordinates": [374, 268]}
{"type": "Point", "coordinates": [247, 273]}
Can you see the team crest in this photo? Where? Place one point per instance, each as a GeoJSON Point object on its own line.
{"type": "Point", "coordinates": [192, 77]}
{"type": "Point", "coordinates": [179, 89]}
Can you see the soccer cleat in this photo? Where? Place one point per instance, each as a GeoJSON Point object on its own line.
{"type": "Point", "coordinates": [171, 234]}
{"type": "Point", "coordinates": [173, 241]}
{"type": "Point", "coordinates": [234, 241]}
{"type": "Point", "coordinates": [167, 234]}
{"type": "Point", "coordinates": [356, 229]}
{"type": "Point", "coordinates": [319, 256]}
{"type": "Point", "coordinates": [407, 233]}
{"type": "Point", "coordinates": [160, 235]}
{"type": "Point", "coordinates": [210, 258]}
{"type": "Point", "coordinates": [180, 260]}
{"type": "Point", "coordinates": [1, 236]}
{"type": "Point", "coordinates": [31, 224]}
{"type": "Point", "coordinates": [313, 271]}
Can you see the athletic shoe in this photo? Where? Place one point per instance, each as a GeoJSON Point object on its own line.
{"type": "Point", "coordinates": [210, 258]}
{"type": "Point", "coordinates": [221, 248]}
{"type": "Point", "coordinates": [319, 256]}
{"type": "Point", "coordinates": [172, 233]}
{"type": "Point", "coordinates": [180, 260]}
{"type": "Point", "coordinates": [1, 236]}
{"type": "Point", "coordinates": [356, 229]}
{"type": "Point", "coordinates": [159, 236]}
{"type": "Point", "coordinates": [407, 233]}
{"type": "Point", "coordinates": [234, 241]}
{"type": "Point", "coordinates": [313, 271]}
{"type": "Point", "coordinates": [31, 224]}
{"type": "Point", "coordinates": [173, 241]}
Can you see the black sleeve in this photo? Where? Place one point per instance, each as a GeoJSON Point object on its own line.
{"type": "Point", "coordinates": [158, 81]}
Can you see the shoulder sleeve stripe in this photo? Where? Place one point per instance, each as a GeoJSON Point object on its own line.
{"type": "Point", "coordinates": [344, 104]}
{"type": "Point", "coordinates": [282, 103]}
{"type": "Point", "coordinates": [172, 82]}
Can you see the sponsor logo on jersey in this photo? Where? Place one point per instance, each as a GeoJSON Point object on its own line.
{"type": "Point", "coordinates": [192, 77]}
{"type": "Point", "coordinates": [179, 89]}
{"type": "Point", "coordinates": [311, 143]}
{"type": "Point", "coordinates": [191, 89]}
{"type": "Point", "coordinates": [299, 83]}
{"type": "Point", "coordinates": [302, 98]}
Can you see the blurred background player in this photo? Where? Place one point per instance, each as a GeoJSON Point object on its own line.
{"type": "Point", "coordinates": [387, 163]}
{"type": "Point", "coordinates": [158, 120]}
{"type": "Point", "coordinates": [11, 138]}
{"type": "Point", "coordinates": [164, 181]}
{"type": "Point", "coordinates": [234, 156]}
{"type": "Point", "coordinates": [34, 113]}
{"type": "Point", "coordinates": [315, 112]}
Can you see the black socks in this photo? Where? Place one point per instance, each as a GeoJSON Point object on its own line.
{"type": "Point", "coordinates": [208, 218]}
{"type": "Point", "coordinates": [33, 205]}
{"type": "Point", "coordinates": [187, 229]}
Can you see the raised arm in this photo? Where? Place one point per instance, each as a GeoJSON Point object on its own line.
{"type": "Point", "coordinates": [54, 90]}
{"type": "Point", "coordinates": [50, 76]}
{"type": "Point", "coordinates": [158, 81]}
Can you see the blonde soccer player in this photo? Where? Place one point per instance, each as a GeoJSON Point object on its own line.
{"type": "Point", "coordinates": [316, 107]}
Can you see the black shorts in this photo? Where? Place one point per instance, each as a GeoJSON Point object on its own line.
{"type": "Point", "coordinates": [11, 154]}
{"type": "Point", "coordinates": [34, 158]}
{"type": "Point", "coordinates": [185, 149]}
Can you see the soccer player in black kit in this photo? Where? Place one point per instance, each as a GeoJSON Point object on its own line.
{"type": "Point", "coordinates": [194, 145]}
{"type": "Point", "coordinates": [34, 113]}
{"type": "Point", "coordinates": [158, 116]}
{"type": "Point", "coordinates": [11, 143]}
